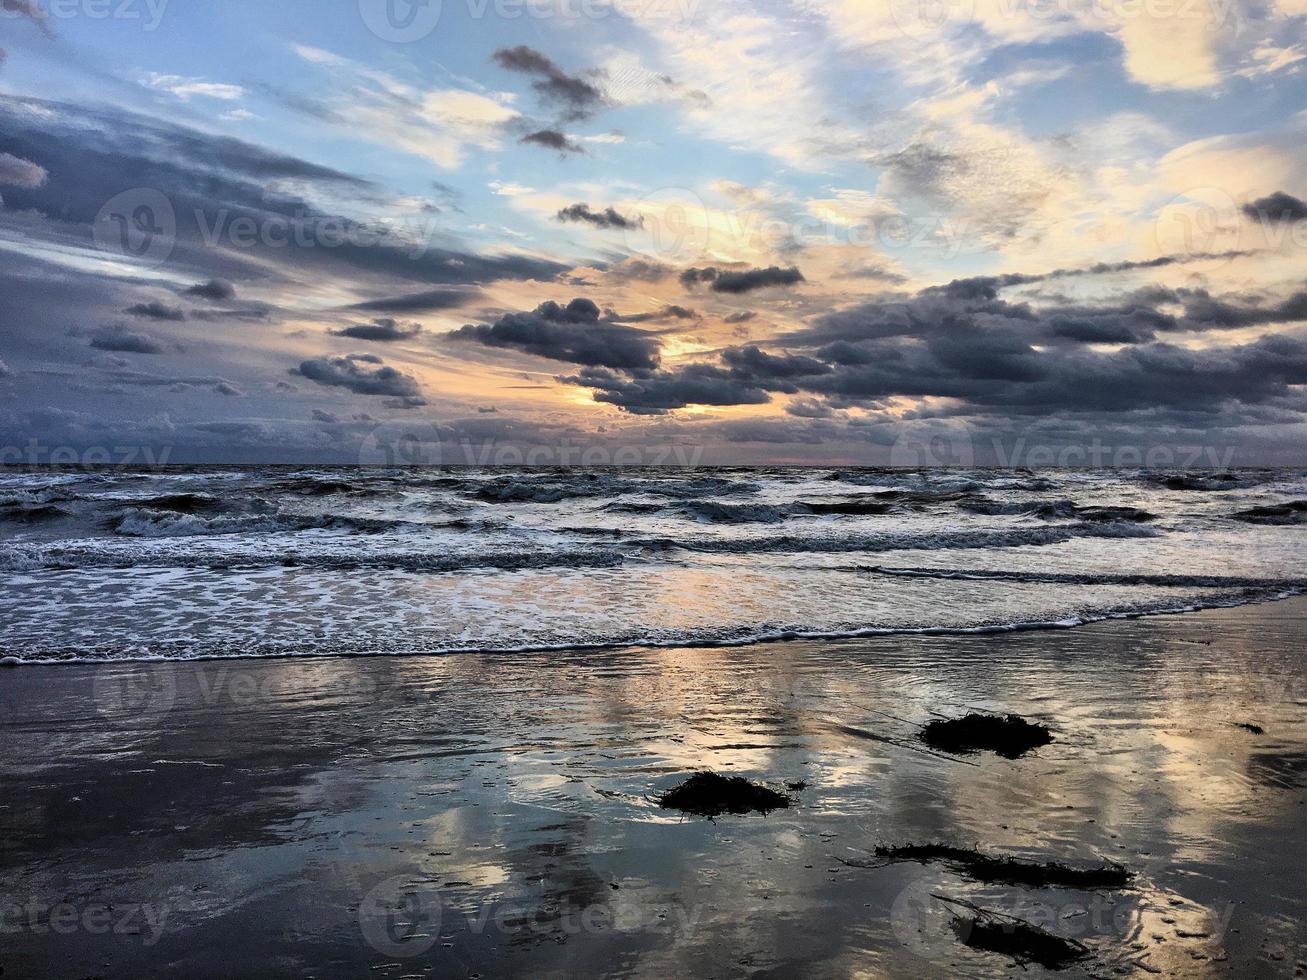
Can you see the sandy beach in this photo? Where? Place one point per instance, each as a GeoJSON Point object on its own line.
{"type": "Point", "coordinates": [493, 815]}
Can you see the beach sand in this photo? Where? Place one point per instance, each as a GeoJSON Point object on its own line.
{"type": "Point", "coordinates": [479, 815]}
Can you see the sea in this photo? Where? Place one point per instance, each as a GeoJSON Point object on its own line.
{"type": "Point", "coordinates": [279, 561]}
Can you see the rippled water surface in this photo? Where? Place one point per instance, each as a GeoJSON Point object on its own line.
{"type": "Point", "coordinates": [492, 815]}
{"type": "Point", "coordinates": [190, 563]}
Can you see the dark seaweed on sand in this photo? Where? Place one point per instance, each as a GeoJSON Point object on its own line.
{"type": "Point", "coordinates": [1250, 727]}
{"type": "Point", "coordinates": [989, 869]}
{"type": "Point", "coordinates": [1009, 936]}
{"type": "Point", "coordinates": [707, 794]}
{"type": "Point", "coordinates": [1010, 736]}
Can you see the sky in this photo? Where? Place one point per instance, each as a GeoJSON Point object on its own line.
{"type": "Point", "coordinates": [1013, 232]}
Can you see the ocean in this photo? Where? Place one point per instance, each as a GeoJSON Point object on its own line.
{"type": "Point", "coordinates": [260, 561]}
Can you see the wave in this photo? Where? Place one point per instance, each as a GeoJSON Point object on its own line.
{"type": "Point", "coordinates": [87, 556]}
{"type": "Point", "coordinates": [1089, 578]}
{"type": "Point", "coordinates": [1055, 510]}
{"type": "Point", "coordinates": [903, 540]}
{"type": "Point", "coordinates": [1290, 513]}
{"type": "Point", "coordinates": [32, 513]}
{"type": "Point", "coordinates": [154, 651]}
{"type": "Point", "coordinates": [515, 490]}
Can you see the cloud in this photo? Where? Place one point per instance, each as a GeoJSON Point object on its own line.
{"type": "Point", "coordinates": [352, 371]}
{"type": "Point", "coordinates": [552, 139]}
{"type": "Point", "coordinates": [741, 282]}
{"type": "Point", "coordinates": [122, 340]}
{"type": "Point", "coordinates": [157, 311]}
{"type": "Point", "coordinates": [439, 125]}
{"type": "Point", "coordinates": [185, 88]}
{"type": "Point", "coordinates": [985, 355]}
{"type": "Point", "coordinates": [212, 183]}
{"type": "Point", "coordinates": [659, 392]}
{"type": "Point", "coordinates": [5, 372]}
{"type": "Point", "coordinates": [574, 333]}
{"type": "Point", "coordinates": [1277, 208]}
{"type": "Point", "coordinates": [17, 172]}
{"type": "Point", "coordinates": [607, 218]}
{"type": "Point", "coordinates": [431, 299]}
{"type": "Point", "coordinates": [216, 290]}
{"type": "Point", "coordinates": [576, 97]}
{"type": "Point", "coordinates": [383, 329]}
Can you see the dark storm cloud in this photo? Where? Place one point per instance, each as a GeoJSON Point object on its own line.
{"type": "Point", "coordinates": [742, 281]}
{"type": "Point", "coordinates": [669, 312]}
{"type": "Point", "coordinates": [122, 340]}
{"type": "Point", "coordinates": [752, 362]}
{"type": "Point", "coordinates": [215, 290]}
{"type": "Point", "coordinates": [1276, 208]}
{"type": "Point", "coordinates": [576, 97]}
{"type": "Point", "coordinates": [383, 330]}
{"type": "Point", "coordinates": [576, 333]}
{"type": "Point", "coordinates": [965, 343]}
{"type": "Point", "coordinates": [363, 374]}
{"type": "Point", "coordinates": [552, 139]}
{"type": "Point", "coordinates": [214, 184]}
{"type": "Point", "coordinates": [430, 300]}
{"type": "Point", "coordinates": [607, 218]}
{"type": "Point", "coordinates": [658, 392]}
{"type": "Point", "coordinates": [157, 311]}
{"type": "Point", "coordinates": [640, 270]}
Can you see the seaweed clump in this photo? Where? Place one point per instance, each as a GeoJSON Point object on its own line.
{"type": "Point", "coordinates": [989, 869]}
{"type": "Point", "coordinates": [708, 794]}
{"type": "Point", "coordinates": [1016, 938]}
{"type": "Point", "coordinates": [1010, 736]}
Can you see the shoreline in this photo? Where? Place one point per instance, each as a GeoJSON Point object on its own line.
{"type": "Point", "coordinates": [313, 806]}
{"type": "Point", "coordinates": [780, 636]}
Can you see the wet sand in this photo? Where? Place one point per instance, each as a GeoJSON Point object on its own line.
{"type": "Point", "coordinates": [490, 816]}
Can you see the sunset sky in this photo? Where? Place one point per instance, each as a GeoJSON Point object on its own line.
{"type": "Point", "coordinates": [779, 231]}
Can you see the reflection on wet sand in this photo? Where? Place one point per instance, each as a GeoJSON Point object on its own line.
{"type": "Point", "coordinates": [491, 815]}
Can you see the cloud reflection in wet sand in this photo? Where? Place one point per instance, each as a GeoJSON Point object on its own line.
{"type": "Point", "coordinates": [490, 814]}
